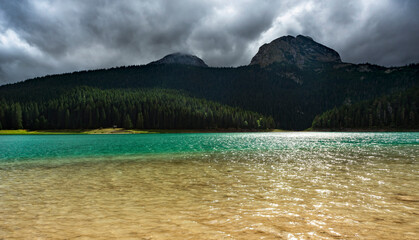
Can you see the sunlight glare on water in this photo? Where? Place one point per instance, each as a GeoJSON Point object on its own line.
{"type": "Point", "coordinates": [210, 186]}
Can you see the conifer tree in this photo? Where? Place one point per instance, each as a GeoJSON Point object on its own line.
{"type": "Point", "coordinates": [140, 121]}
{"type": "Point", "coordinates": [17, 117]}
{"type": "Point", "coordinates": [127, 122]}
{"type": "Point", "coordinates": [67, 119]}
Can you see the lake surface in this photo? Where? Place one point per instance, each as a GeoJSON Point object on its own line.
{"type": "Point", "coordinates": [210, 186]}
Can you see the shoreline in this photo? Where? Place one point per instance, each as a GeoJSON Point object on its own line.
{"type": "Point", "coordinates": [157, 131]}
{"type": "Point", "coordinates": [361, 130]}
{"type": "Point", "coordinates": [126, 131]}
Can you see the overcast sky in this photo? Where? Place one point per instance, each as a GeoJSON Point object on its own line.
{"type": "Point", "coordinates": [42, 37]}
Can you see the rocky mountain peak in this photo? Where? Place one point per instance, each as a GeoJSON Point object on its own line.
{"type": "Point", "coordinates": [301, 51]}
{"type": "Point", "coordinates": [181, 58]}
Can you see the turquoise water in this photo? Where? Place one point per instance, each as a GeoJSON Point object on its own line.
{"type": "Point", "coordinates": [292, 185]}
{"type": "Point", "coordinates": [33, 147]}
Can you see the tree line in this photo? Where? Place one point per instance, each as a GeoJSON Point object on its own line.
{"type": "Point", "coordinates": [397, 111]}
{"type": "Point", "coordinates": [89, 108]}
{"type": "Point", "coordinates": [292, 96]}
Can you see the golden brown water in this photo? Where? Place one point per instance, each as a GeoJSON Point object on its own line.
{"type": "Point", "coordinates": [327, 194]}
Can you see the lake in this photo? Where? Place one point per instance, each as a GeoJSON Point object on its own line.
{"type": "Point", "coordinates": [291, 185]}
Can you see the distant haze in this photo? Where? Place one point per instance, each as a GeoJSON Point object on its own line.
{"type": "Point", "coordinates": [47, 37]}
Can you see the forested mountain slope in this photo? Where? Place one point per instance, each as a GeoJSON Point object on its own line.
{"type": "Point", "coordinates": [395, 111]}
{"type": "Point", "coordinates": [87, 107]}
{"type": "Point", "coordinates": [293, 94]}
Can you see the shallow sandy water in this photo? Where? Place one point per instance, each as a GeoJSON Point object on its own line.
{"type": "Point", "coordinates": [330, 193]}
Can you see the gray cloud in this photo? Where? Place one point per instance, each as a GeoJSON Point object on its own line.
{"type": "Point", "coordinates": [46, 37]}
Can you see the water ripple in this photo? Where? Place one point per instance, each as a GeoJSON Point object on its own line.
{"type": "Point", "coordinates": [211, 186]}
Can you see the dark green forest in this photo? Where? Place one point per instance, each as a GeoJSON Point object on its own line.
{"type": "Point", "coordinates": [292, 96]}
{"type": "Point", "coordinates": [88, 108]}
{"type": "Point", "coordinates": [396, 111]}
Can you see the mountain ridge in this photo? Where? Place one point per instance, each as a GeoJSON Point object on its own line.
{"type": "Point", "coordinates": [181, 58]}
{"type": "Point", "coordinates": [292, 95]}
{"type": "Point", "coordinates": [301, 51]}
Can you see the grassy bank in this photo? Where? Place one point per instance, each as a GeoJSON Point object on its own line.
{"type": "Point", "coordinates": [126, 131]}
{"type": "Point", "coordinates": [73, 131]}
{"type": "Point", "coordinates": [38, 132]}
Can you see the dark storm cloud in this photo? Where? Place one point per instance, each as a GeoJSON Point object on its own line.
{"type": "Point", "coordinates": [380, 32]}
{"type": "Point", "coordinates": [44, 36]}
{"type": "Point", "coordinates": [389, 38]}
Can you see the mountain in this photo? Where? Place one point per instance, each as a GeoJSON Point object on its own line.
{"type": "Point", "coordinates": [301, 51]}
{"type": "Point", "coordinates": [181, 58]}
{"type": "Point", "coordinates": [293, 92]}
